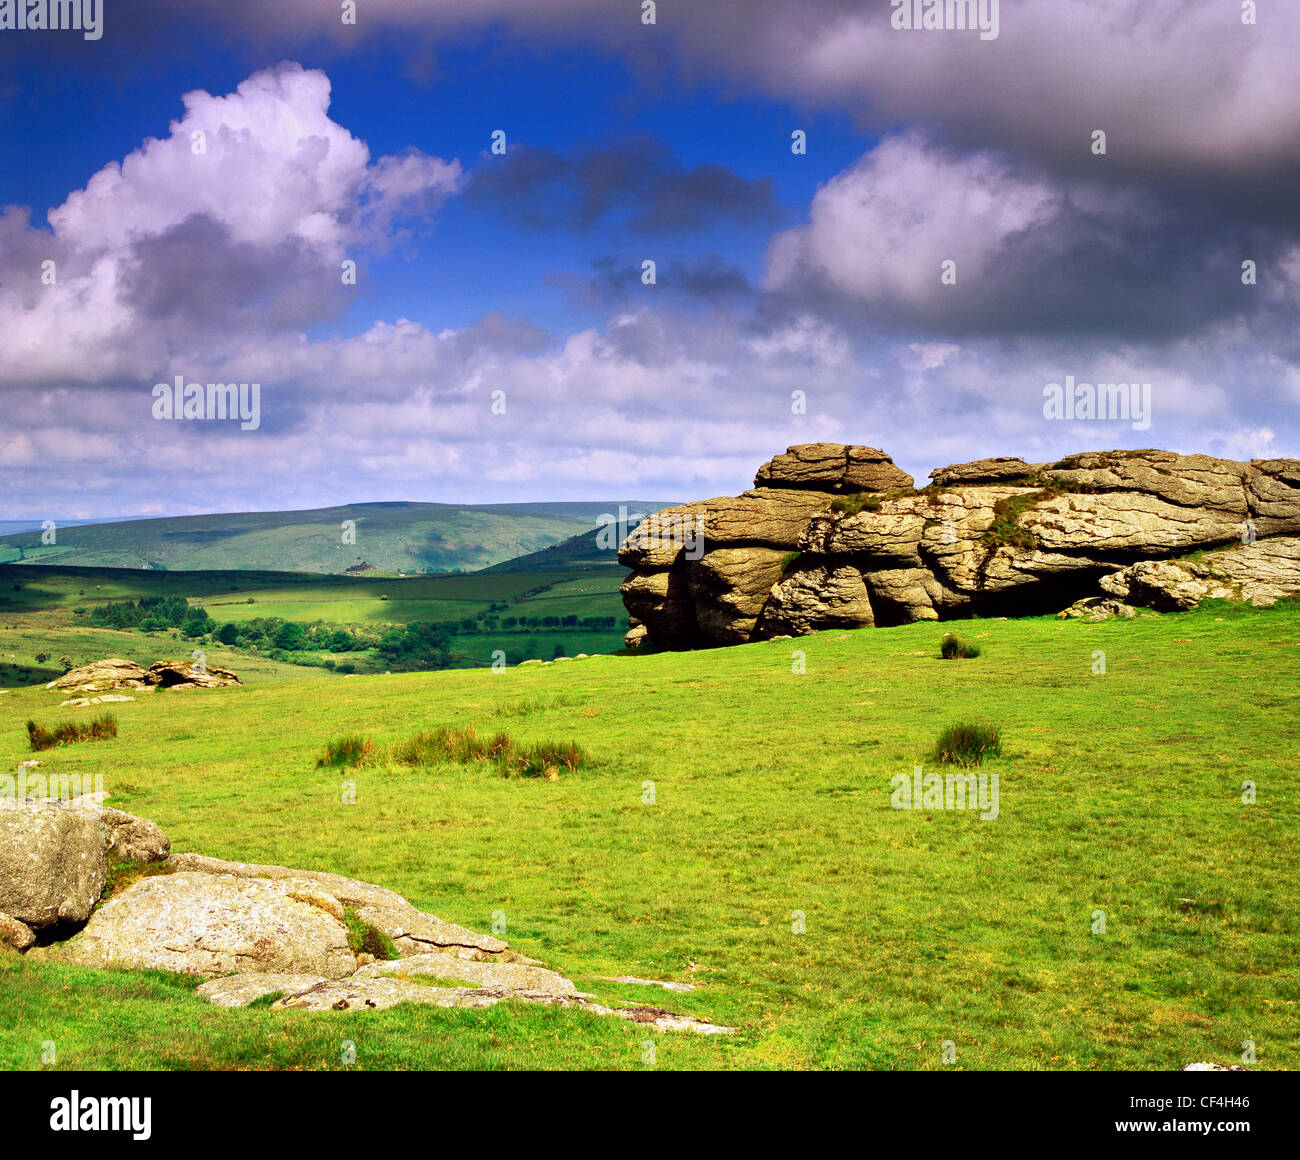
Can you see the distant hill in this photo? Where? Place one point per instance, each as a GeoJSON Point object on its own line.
{"type": "Point", "coordinates": [393, 537]}
{"type": "Point", "coordinates": [580, 553]}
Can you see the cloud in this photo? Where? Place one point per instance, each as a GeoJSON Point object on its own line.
{"type": "Point", "coordinates": [640, 181]}
{"type": "Point", "coordinates": [240, 216]}
{"type": "Point", "coordinates": [1184, 90]}
{"type": "Point", "coordinates": [1033, 253]}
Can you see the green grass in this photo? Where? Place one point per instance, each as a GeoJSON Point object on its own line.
{"type": "Point", "coordinates": [968, 743]}
{"type": "Point", "coordinates": [770, 799]}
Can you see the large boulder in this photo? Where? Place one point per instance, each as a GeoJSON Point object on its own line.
{"type": "Point", "coordinates": [817, 594]}
{"type": "Point", "coordinates": [131, 839]}
{"type": "Point", "coordinates": [100, 676]}
{"type": "Point", "coordinates": [1261, 573]}
{"type": "Point", "coordinates": [997, 470]}
{"type": "Point", "coordinates": [381, 910]}
{"type": "Point", "coordinates": [209, 924]}
{"type": "Point", "coordinates": [53, 864]}
{"type": "Point", "coordinates": [832, 467]}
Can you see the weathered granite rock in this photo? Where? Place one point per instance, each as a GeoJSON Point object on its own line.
{"type": "Point", "coordinates": [377, 993]}
{"type": "Point", "coordinates": [100, 676]}
{"type": "Point", "coordinates": [14, 933]}
{"type": "Point", "coordinates": [189, 675]}
{"type": "Point", "coordinates": [241, 990]}
{"type": "Point", "coordinates": [982, 471]}
{"type": "Point", "coordinates": [53, 864]}
{"type": "Point", "coordinates": [832, 467]}
{"type": "Point", "coordinates": [1097, 608]}
{"type": "Point", "coordinates": [131, 839]}
{"type": "Point", "coordinates": [210, 924]}
{"type": "Point", "coordinates": [816, 594]}
{"type": "Point", "coordinates": [730, 586]}
{"type": "Point", "coordinates": [995, 537]}
{"type": "Point", "coordinates": [416, 933]}
{"type": "Point", "coordinates": [439, 965]}
{"type": "Point", "coordinates": [1261, 573]}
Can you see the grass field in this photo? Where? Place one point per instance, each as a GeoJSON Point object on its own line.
{"type": "Point", "coordinates": [38, 612]}
{"type": "Point", "coordinates": [1119, 793]}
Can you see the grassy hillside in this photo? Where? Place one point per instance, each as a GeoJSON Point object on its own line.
{"type": "Point", "coordinates": [583, 552]}
{"type": "Point", "coordinates": [393, 537]}
{"type": "Point", "coordinates": [51, 610]}
{"type": "Point", "coordinates": [1120, 793]}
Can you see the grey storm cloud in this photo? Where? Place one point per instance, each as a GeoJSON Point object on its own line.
{"type": "Point", "coordinates": [639, 180]}
{"type": "Point", "coordinates": [1186, 91]}
{"type": "Point", "coordinates": [1031, 253]}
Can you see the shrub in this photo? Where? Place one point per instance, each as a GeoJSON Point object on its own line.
{"type": "Point", "coordinates": [344, 752]}
{"type": "Point", "coordinates": [952, 647]}
{"type": "Point", "coordinates": [968, 743]}
{"type": "Point", "coordinates": [69, 732]}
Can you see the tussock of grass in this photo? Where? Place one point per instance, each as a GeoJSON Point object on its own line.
{"type": "Point", "coordinates": [345, 752]}
{"type": "Point", "coordinates": [69, 732]}
{"type": "Point", "coordinates": [968, 743]}
{"type": "Point", "coordinates": [952, 647]}
{"type": "Point", "coordinates": [464, 745]}
{"type": "Point", "coordinates": [524, 708]}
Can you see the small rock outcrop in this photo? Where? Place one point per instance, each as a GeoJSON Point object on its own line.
{"type": "Point", "coordinates": [189, 675]}
{"type": "Point", "coordinates": [254, 930]}
{"type": "Point", "coordinates": [835, 536]}
{"type": "Point", "coordinates": [116, 673]}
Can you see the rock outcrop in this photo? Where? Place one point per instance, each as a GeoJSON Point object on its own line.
{"type": "Point", "coordinates": [116, 673]}
{"type": "Point", "coordinates": [835, 536]}
{"type": "Point", "coordinates": [253, 930]}
{"type": "Point", "coordinates": [100, 676]}
{"type": "Point", "coordinates": [55, 856]}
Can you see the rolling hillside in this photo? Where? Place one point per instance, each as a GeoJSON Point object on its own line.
{"type": "Point", "coordinates": [391, 537]}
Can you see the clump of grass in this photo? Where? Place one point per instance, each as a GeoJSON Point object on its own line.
{"type": "Point", "coordinates": [1005, 530]}
{"type": "Point", "coordinates": [523, 708]}
{"type": "Point", "coordinates": [69, 732]}
{"type": "Point", "coordinates": [952, 647]}
{"type": "Point", "coordinates": [344, 752]}
{"type": "Point", "coordinates": [790, 561]}
{"type": "Point", "coordinates": [363, 939]}
{"type": "Point", "coordinates": [464, 745]}
{"type": "Point", "coordinates": [968, 743]}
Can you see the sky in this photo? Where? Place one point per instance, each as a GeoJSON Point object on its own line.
{"type": "Point", "coordinates": [860, 234]}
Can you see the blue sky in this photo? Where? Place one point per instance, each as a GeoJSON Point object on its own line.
{"type": "Point", "coordinates": [777, 273]}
